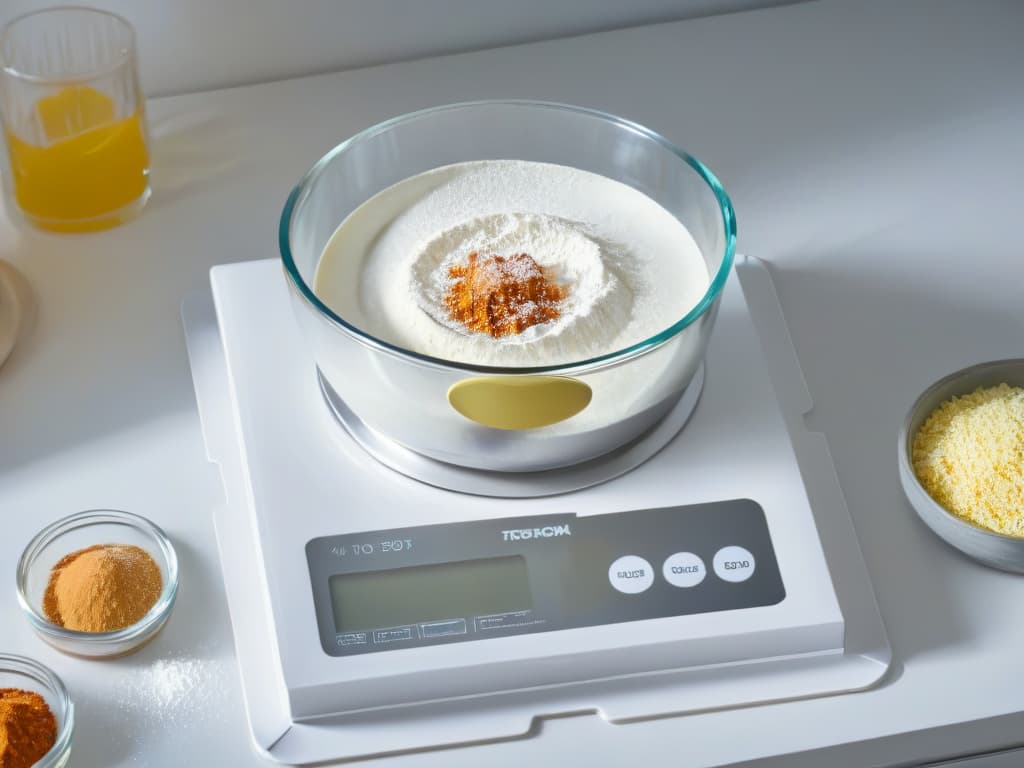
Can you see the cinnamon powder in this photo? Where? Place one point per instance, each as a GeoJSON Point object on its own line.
{"type": "Point", "coordinates": [502, 296]}
{"type": "Point", "coordinates": [102, 588]}
{"type": "Point", "coordinates": [28, 728]}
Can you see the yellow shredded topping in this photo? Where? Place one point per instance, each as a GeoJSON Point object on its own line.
{"type": "Point", "coordinates": [969, 456]}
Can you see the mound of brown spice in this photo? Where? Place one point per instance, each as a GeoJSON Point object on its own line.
{"type": "Point", "coordinates": [28, 728]}
{"type": "Point", "coordinates": [502, 295]}
{"type": "Point", "coordinates": [102, 588]}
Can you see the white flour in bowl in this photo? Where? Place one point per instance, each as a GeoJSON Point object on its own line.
{"type": "Point", "coordinates": [599, 298]}
{"type": "Point", "coordinates": [629, 268]}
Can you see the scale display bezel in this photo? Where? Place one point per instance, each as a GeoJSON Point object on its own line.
{"type": "Point", "coordinates": [582, 572]}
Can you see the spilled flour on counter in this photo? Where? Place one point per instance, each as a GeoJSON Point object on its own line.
{"type": "Point", "coordinates": [175, 689]}
{"type": "Point", "coordinates": [173, 680]}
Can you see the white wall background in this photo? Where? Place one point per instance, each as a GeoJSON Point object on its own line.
{"type": "Point", "coordinates": [190, 45]}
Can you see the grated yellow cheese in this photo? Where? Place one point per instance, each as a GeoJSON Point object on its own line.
{"type": "Point", "coordinates": [969, 456]}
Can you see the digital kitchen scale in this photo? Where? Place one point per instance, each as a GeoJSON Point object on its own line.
{"type": "Point", "coordinates": [375, 613]}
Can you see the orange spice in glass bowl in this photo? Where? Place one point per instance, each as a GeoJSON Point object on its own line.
{"type": "Point", "coordinates": [87, 582]}
{"type": "Point", "coordinates": [102, 588]}
{"type": "Point", "coordinates": [37, 716]}
{"type": "Point", "coordinates": [28, 729]}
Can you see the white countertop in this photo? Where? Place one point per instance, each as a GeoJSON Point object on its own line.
{"type": "Point", "coordinates": [873, 151]}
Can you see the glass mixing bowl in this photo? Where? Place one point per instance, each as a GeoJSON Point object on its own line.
{"type": "Point", "coordinates": [405, 395]}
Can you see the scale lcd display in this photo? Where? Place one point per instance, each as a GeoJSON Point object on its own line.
{"type": "Point", "coordinates": [425, 593]}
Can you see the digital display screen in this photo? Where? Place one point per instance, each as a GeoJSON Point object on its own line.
{"type": "Point", "coordinates": [426, 593]}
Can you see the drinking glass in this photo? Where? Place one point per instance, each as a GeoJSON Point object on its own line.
{"type": "Point", "coordinates": [73, 117]}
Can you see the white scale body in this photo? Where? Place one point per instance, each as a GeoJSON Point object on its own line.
{"type": "Point", "coordinates": [744, 499]}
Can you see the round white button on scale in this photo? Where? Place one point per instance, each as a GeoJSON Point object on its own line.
{"type": "Point", "coordinates": [734, 564]}
{"type": "Point", "coordinates": [684, 569]}
{"type": "Point", "coordinates": [631, 574]}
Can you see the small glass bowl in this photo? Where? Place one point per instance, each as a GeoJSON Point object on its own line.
{"type": "Point", "coordinates": [22, 672]}
{"type": "Point", "coordinates": [78, 531]}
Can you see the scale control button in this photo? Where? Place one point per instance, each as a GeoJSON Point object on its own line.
{"type": "Point", "coordinates": [395, 635]}
{"type": "Point", "coordinates": [352, 638]}
{"type": "Point", "coordinates": [506, 620]}
{"type": "Point", "coordinates": [442, 628]}
{"type": "Point", "coordinates": [631, 574]}
{"type": "Point", "coordinates": [734, 564]}
{"type": "Point", "coordinates": [684, 569]}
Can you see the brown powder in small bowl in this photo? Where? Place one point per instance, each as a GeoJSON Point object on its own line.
{"type": "Point", "coordinates": [28, 728]}
{"type": "Point", "coordinates": [102, 588]}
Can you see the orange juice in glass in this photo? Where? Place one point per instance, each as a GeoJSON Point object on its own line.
{"type": "Point", "coordinates": [73, 119]}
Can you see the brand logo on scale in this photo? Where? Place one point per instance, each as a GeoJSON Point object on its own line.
{"type": "Point", "coordinates": [547, 532]}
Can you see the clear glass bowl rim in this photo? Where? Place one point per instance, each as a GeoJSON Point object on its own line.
{"type": "Point", "coordinates": [717, 283]}
{"type": "Point", "coordinates": [47, 677]}
{"type": "Point", "coordinates": [153, 619]}
{"type": "Point", "coordinates": [128, 54]}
